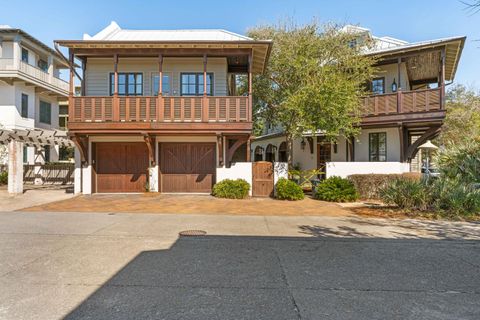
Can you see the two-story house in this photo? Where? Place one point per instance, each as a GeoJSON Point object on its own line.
{"type": "Point", "coordinates": [30, 89]}
{"type": "Point", "coordinates": [405, 109]}
{"type": "Point", "coordinates": [160, 110]}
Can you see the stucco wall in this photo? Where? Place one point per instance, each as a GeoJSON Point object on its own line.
{"type": "Point", "coordinates": [238, 170]}
{"type": "Point", "coordinates": [393, 144]}
{"type": "Point", "coordinates": [99, 69]}
{"type": "Point", "coordinates": [344, 169]}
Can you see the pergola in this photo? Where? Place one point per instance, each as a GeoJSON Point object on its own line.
{"type": "Point", "coordinates": [16, 139]}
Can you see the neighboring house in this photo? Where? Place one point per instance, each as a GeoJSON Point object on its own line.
{"type": "Point", "coordinates": [405, 109]}
{"type": "Point", "coordinates": [159, 109]}
{"type": "Point", "coordinates": [30, 88]}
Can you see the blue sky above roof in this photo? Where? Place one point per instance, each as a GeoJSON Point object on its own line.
{"type": "Point", "coordinates": [411, 21]}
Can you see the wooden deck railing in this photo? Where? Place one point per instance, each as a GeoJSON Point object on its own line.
{"type": "Point", "coordinates": [403, 102]}
{"type": "Point", "coordinates": [156, 109]}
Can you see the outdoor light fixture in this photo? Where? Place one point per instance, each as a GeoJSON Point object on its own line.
{"type": "Point", "coordinates": [394, 86]}
{"type": "Point", "coordinates": [302, 144]}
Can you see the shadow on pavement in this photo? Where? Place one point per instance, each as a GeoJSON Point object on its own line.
{"type": "Point", "coordinates": [234, 277]}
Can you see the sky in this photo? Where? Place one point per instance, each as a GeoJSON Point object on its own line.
{"type": "Point", "coordinates": [409, 20]}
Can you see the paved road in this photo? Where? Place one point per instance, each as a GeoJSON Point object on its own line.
{"type": "Point", "coordinates": [123, 266]}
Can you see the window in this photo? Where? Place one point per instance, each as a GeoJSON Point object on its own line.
{"type": "Point", "coordinates": [42, 64]}
{"type": "Point", "coordinates": [129, 84]}
{"type": "Point", "coordinates": [24, 105]}
{"type": "Point", "coordinates": [24, 55]}
{"type": "Point", "coordinates": [62, 117]}
{"type": "Point", "coordinates": [378, 86]}
{"type": "Point", "coordinates": [165, 84]}
{"type": "Point", "coordinates": [45, 112]}
{"type": "Point", "coordinates": [191, 84]}
{"type": "Point", "coordinates": [377, 146]}
{"type": "Point", "coordinates": [352, 43]}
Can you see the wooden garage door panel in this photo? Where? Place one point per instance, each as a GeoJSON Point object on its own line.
{"type": "Point", "coordinates": [121, 167]}
{"type": "Point", "coordinates": [187, 167]}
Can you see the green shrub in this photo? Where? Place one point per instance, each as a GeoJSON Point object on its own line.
{"type": "Point", "coordinates": [231, 189]}
{"type": "Point", "coordinates": [3, 177]}
{"type": "Point", "coordinates": [369, 185]}
{"type": "Point", "coordinates": [336, 189]}
{"type": "Point", "coordinates": [453, 198]}
{"type": "Point", "coordinates": [407, 194]}
{"type": "Point", "coordinates": [288, 190]}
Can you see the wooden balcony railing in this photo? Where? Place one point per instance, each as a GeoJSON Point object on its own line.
{"type": "Point", "coordinates": [403, 102]}
{"type": "Point", "coordinates": [156, 109]}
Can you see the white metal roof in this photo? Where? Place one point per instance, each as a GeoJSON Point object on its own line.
{"type": "Point", "coordinates": [113, 32]}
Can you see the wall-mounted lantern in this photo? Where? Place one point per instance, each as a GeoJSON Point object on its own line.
{"type": "Point", "coordinates": [394, 86]}
{"type": "Point", "coordinates": [302, 144]}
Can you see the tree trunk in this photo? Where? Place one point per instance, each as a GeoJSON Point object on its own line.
{"type": "Point", "coordinates": [289, 140]}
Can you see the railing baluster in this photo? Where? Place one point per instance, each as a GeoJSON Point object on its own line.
{"type": "Point", "coordinates": [82, 110]}
{"type": "Point", "coordinates": [172, 109]}
{"type": "Point", "coordinates": [182, 110]}
{"type": "Point", "coordinates": [147, 109]}
{"type": "Point", "coordinates": [94, 106]}
{"type": "Point", "coordinates": [237, 109]}
{"type": "Point", "coordinates": [137, 109]}
{"type": "Point", "coordinates": [103, 109]}
{"type": "Point", "coordinates": [217, 109]}
{"type": "Point", "coordinates": [127, 109]}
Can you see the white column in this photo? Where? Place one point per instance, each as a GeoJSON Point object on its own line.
{"type": "Point", "coordinates": [17, 52]}
{"type": "Point", "coordinates": [15, 167]}
{"type": "Point", "coordinates": [77, 184]}
{"type": "Point", "coordinates": [153, 179]}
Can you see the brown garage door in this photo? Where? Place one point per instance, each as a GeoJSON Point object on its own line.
{"type": "Point", "coordinates": [121, 166]}
{"type": "Point", "coordinates": [187, 167]}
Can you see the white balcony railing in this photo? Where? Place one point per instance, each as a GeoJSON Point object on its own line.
{"type": "Point", "coordinates": [8, 65]}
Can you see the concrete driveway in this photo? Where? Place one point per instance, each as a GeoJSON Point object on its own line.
{"type": "Point", "coordinates": [135, 266]}
{"type": "Point", "coordinates": [33, 196]}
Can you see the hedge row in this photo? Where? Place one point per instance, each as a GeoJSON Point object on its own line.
{"type": "Point", "coordinates": [368, 186]}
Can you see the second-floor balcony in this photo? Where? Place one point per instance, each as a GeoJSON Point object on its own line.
{"type": "Point", "coordinates": [403, 105]}
{"type": "Point", "coordinates": [148, 112]}
{"type": "Point", "coordinates": [27, 72]}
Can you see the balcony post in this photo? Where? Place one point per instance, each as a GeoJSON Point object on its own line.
{"type": "Point", "coordinates": [399, 89]}
{"type": "Point", "coordinates": [160, 108]}
{"type": "Point", "coordinates": [71, 107]}
{"type": "Point", "coordinates": [250, 89]}
{"type": "Point", "coordinates": [116, 104]}
{"type": "Point", "coordinates": [205, 99]}
{"type": "Point", "coordinates": [84, 68]}
{"type": "Point", "coordinates": [442, 81]}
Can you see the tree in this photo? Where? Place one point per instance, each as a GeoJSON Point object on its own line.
{"type": "Point", "coordinates": [313, 81]}
{"type": "Point", "coordinates": [462, 121]}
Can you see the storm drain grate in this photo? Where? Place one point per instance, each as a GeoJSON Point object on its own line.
{"type": "Point", "coordinates": [192, 233]}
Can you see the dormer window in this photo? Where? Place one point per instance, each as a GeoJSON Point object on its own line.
{"type": "Point", "coordinates": [24, 55]}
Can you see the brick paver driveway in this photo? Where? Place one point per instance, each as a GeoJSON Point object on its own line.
{"type": "Point", "coordinates": [195, 204]}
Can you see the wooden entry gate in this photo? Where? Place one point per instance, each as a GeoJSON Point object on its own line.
{"type": "Point", "coordinates": [262, 179]}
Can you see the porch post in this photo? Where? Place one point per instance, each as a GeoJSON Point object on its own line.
{"type": "Point", "coordinates": [71, 108]}
{"type": "Point", "coordinates": [220, 149]}
{"type": "Point", "coordinates": [15, 167]}
{"type": "Point", "coordinates": [399, 87]}
{"type": "Point", "coordinates": [116, 104]}
{"type": "Point", "coordinates": [160, 109]}
{"type": "Point", "coordinates": [248, 149]}
{"type": "Point", "coordinates": [249, 110]}
{"type": "Point", "coordinates": [205, 100]}
{"type": "Point", "coordinates": [401, 136]}
{"type": "Point", "coordinates": [84, 67]}
{"type": "Point", "coordinates": [442, 81]}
